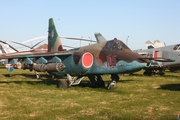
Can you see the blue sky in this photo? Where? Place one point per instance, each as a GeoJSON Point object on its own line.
{"type": "Point", "coordinates": [141, 20]}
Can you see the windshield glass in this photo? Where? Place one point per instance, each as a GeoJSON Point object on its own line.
{"type": "Point", "coordinates": [177, 47]}
{"type": "Point", "coordinates": [123, 45]}
{"type": "Point", "coordinates": [115, 45]}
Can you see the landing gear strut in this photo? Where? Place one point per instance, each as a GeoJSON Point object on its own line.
{"type": "Point", "coordinates": [153, 72]}
{"type": "Point", "coordinates": [111, 85]}
{"type": "Point", "coordinates": [37, 75]}
{"type": "Point", "coordinates": [115, 79]}
{"type": "Point", "coordinates": [148, 72]}
{"type": "Point", "coordinates": [96, 80]}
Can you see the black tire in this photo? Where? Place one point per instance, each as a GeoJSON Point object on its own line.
{"type": "Point", "coordinates": [62, 84]}
{"type": "Point", "coordinates": [112, 87]}
{"type": "Point", "coordinates": [145, 73]}
{"type": "Point", "coordinates": [100, 83]}
{"type": "Point", "coordinates": [161, 73]}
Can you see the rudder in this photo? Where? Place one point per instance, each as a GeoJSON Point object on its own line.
{"type": "Point", "coordinates": [54, 42]}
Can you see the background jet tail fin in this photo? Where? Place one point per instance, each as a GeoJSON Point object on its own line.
{"type": "Point", "coordinates": [156, 44]}
{"type": "Point", "coordinates": [99, 37]}
{"type": "Point", "coordinates": [54, 42]}
{"type": "Point", "coordinates": [149, 45]}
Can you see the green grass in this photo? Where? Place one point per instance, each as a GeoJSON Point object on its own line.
{"type": "Point", "coordinates": [135, 97]}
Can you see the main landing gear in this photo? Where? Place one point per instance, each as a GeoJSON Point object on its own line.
{"type": "Point", "coordinates": [62, 84]}
{"type": "Point", "coordinates": [70, 81]}
{"type": "Point", "coordinates": [97, 81]}
{"type": "Point", "coordinates": [114, 80]}
{"type": "Point", "coordinates": [153, 72]}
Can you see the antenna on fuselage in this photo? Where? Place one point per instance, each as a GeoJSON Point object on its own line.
{"type": "Point", "coordinates": [127, 40]}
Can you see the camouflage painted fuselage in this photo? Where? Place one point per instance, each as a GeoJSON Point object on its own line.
{"type": "Point", "coordinates": [110, 57]}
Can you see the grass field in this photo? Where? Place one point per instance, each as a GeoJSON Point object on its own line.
{"type": "Point", "coordinates": [135, 97]}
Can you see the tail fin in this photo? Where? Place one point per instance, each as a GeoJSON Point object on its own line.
{"type": "Point", "coordinates": [157, 44]}
{"type": "Point", "coordinates": [149, 45]}
{"type": "Point", "coordinates": [54, 42]}
{"type": "Point", "coordinates": [99, 37]}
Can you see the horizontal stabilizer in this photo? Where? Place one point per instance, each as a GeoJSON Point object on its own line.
{"type": "Point", "coordinates": [99, 37]}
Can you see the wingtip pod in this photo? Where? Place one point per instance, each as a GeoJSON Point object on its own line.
{"type": "Point", "coordinates": [9, 68]}
{"type": "Point", "coordinates": [54, 43]}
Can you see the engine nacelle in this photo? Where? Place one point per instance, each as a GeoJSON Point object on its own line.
{"type": "Point", "coordinates": [55, 67]}
{"type": "Point", "coordinates": [78, 63]}
{"type": "Point", "coordinates": [40, 67]}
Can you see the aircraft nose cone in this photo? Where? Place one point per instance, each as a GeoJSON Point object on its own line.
{"type": "Point", "coordinates": [141, 59]}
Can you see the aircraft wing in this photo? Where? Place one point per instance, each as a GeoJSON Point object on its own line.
{"type": "Point", "coordinates": [32, 55]}
{"type": "Point", "coordinates": [74, 63]}
{"type": "Point", "coordinates": [163, 59]}
{"type": "Point", "coordinates": [74, 38]}
{"type": "Point", "coordinates": [159, 59]}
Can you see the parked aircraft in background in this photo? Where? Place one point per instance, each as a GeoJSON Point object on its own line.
{"type": "Point", "coordinates": [5, 48]}
{"type": "Point", "coordinates": [109, 57]}
{"type": "Point", "coordinates": [171, 52]}
{"type": "Point", "coordinates": [156, 44]}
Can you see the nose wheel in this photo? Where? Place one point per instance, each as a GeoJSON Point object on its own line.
{"type": "Point", "coordinates": [115, 79]}
{"type": "Point", "coordinates": [62, 84]}
{"type": "Point", "coordinates": [111, 85]}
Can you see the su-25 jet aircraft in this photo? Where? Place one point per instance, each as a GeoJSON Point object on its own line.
{"type": "Point", "coordinates": [108, 57]}
{"type": "Point", "coordinates": [170, 52]}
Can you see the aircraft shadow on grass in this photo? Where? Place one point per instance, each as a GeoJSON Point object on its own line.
{"type": "Point", "coordinates": [173, 87]}
{"type": "Point", "coordinates": [89, 84]}
{"type": "Point", "coordinates": [173, 76]}
{"type": "Point", "coordinates": [48, 81]}
{"type": "Point", "coordinates": [33, 82]}
{"type": "Point", "coordinates": [45, 79]}
{"type": "Point", "coordinates": [25, 75]}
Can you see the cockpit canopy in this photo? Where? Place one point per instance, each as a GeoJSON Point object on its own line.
{"type": "Point", "coordinates": [115, 45]}
{"type": "Point", "coordinates": [177, 47]}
